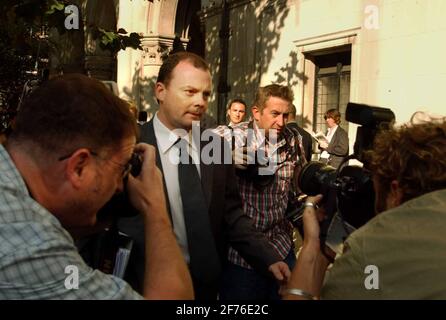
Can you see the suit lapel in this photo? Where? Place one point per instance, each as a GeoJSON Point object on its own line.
{"type": "Point", "coordinates": [206, 171]}
{"type": "Point", "coordinates": [148, 136]}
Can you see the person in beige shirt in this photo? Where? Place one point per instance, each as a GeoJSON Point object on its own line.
{"type": "Point", "coordinates": [399, 254]}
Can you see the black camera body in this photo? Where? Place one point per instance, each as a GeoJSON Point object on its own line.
{"type": "Point", "coordinates": [262, 172]}
{"type": "Point", "coordinates": [136, 163]}
{"type": "Point", "coordinates": [119, 205]}
{"type": "Point", "coordinates": [347, 191]}
{"type": "Point", "coordinates": [372, 119]}
{"type": "Point", "coordinates": [257, 172]}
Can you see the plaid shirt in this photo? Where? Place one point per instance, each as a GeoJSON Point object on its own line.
{"type": "Point", "coordinates": [267, 206]}
{"type": "Point", "coordinates": [35, 250]}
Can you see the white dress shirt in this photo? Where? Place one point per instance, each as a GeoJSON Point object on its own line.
{"type": "Point", "coordinates": [165, 139]}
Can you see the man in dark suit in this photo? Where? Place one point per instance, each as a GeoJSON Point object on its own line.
{"type": "Point", "coordinates": [307, 141]}
{"type": "Point", "coordinates": [337, 147]}
{"type": "Point", "coordinates": [205, 228]}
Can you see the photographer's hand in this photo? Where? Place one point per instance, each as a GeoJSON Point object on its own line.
{"type": "Point", "coordinates": [312, 216]}
{"type": "Point", "coordinates": [308, 274]}
{"type": "Point", "coordinates": [146, 191]}
{"type": "Point", "coordinates": [280, 271]}
{"type": "Point", "coordinates": [166, 272]}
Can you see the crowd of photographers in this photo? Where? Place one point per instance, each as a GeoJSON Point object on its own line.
{"type": "Point", "coordinates": [73, 147]}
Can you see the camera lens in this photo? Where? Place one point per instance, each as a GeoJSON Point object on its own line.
{"type": "Point", "coordinates": [316, 178]}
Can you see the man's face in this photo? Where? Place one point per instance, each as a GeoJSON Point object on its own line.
{"type": "Point", "coordinates": [185, 98]}
{"type": "Point", "coordinates": [236, 112]}
{"type": "Point", "coordinates": [274, 115]}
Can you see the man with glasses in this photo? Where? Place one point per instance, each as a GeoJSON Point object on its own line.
{"type": "Point", "coordinates": [66, 157]}
{"type": "Point", "coordinates": [126, 167]}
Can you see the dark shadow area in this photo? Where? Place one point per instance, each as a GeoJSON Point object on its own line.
{"type": "Point", "coordinates": [177, 45]}
{"type": "Point", "coordinates": [254, 36]}
{"type": "Point", "coordinates": [304, 122]}
{"type": "Point", "coordinates": [288, 73]}
{"type": "Point", "coordinates": [67, 47]}
{"type": "Point", "coordinates": [100, 63]}
{"type": "Point", "coordinates": [187, 24]}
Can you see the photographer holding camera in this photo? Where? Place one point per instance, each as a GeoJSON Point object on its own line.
{"type": "Point", "coordinates": [68, 154]}
{"type": "Point", "coordinates": [399, 254]}
{"type": "Point", "coordinates": [267, 155]}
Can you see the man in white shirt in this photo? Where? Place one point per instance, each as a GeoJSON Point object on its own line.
{"type": "Point", "coordinates": [206, 214]}
{"type": "Point", "coordinates": [236, 112]}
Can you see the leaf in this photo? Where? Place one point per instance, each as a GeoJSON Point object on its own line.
{"type": "Point", "coordinates": [55, 6]}
{"type": "Point", "coordinates": [109, 35]}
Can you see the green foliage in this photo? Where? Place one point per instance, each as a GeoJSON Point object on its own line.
{"type": "Point", "coordinates": [117, 40]}
{"type": "Point", "coordinates": [54, 6]}
{"type": "Point", "coordinates": [25, 47]}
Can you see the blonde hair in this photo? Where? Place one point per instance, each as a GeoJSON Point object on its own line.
{"type": "Point", "coordinates": [272, 90]}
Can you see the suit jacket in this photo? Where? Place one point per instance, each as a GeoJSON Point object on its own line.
{"type": "Point", "coordinates": [338, 147]}
{"type": "Point", "coordinates": [228, 222]}
{"type": "Point", "coordinates": [307, 141]}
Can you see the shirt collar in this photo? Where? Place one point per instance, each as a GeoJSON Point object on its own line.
{"type": "Point", "coordinates": [166, 138]}
{"type": "Point", "coordinates": [333, 129]}
{"type": "Point", "coordinates": [9, 172]}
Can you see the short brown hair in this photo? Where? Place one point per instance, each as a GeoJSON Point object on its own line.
{"type": "Point", "coordinates": [73, 111]}
{"type": "Point", "coordinates": [236, 101]}
{"type": "Point", "coordinates": [272, 90]}
{"type": "Point", "coordinates": [334, 114]}
{"type": "Point", "coordinates": [165, 73]}
{"type": "Point", "coordinates": [414, 155]}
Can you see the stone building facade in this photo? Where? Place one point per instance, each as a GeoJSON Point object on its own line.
{"type": "Point", "coordinates": [165, 26]}
{"type": "Point", "coordinates": [387, 53]}
{"type": "Point", "coordinates": [378, 52]}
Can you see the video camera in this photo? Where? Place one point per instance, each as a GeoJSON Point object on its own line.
{"type": "Point", "coordinates": [348, 194]}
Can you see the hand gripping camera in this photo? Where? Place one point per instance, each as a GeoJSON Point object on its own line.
{"type": "Point", "coordinates": [119, 205]}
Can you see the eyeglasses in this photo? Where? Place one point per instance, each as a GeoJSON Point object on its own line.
{"type": "Point", "coordinates": [126, 168]}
